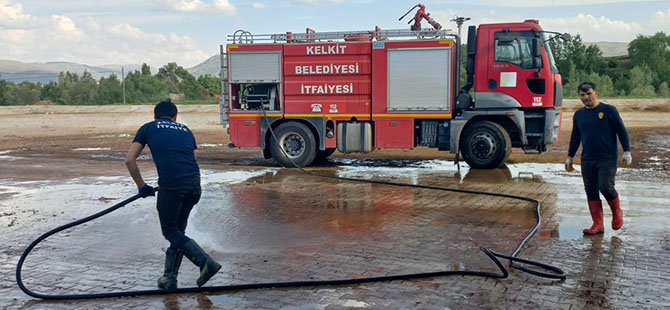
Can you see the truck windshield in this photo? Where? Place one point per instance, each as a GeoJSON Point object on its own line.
{"type": "Point", "coordinates": [550, 55]}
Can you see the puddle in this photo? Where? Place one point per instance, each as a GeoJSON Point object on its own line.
{"type": "Point", "coordinates": [92, 149]}
{"type": "Point", "coordinates": [304, 307]}
{"type": "Point", "coordinates": [657, 148]}
{"type": "Point", "coordinates": [118, 156]}
{"type": "Point", "coordinates": [11, 158]}
{"type": "Point", "coordinates": [223, 300]}
{"type": "Point", "coordinates": [112, 136]}
{"type": "Point", "coordinates": [207, 145]}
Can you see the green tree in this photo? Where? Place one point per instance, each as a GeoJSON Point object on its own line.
{"type": "Point", "coordinates": [27, 93]}
{"type": "Point", "coordinates": [574, 55]}
{"type": "Point", "coordinates": [172, 74]}
{"type": "Point", "coordinates": [212, 84]}
{"type": "Point", "coordinates": [663, 90]}
{"type": "Point", "coordinates": [641, 81]}
{"type": "Point", "coordinates": [142, 88]}
{"type": "Point", "coordinates": [109, 90]}
{"type": "Point", "coordinates": [653, 51]}
{"type": "Point", "coordinates": [52, 92]}
{"type": "Point", "coordinates": [4, 89]}
{"type": "Point", "coordinates": [81, 91]}
{"type": "Point", "coordinates": [192, 89]}
{"type": "Point", "coordinates": [146, 70]}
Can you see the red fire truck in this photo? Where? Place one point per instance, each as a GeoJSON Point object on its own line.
{"type": "Point", "coordinates": [394, 89]}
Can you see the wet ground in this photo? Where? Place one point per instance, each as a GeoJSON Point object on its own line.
{"type": "Point", "coordinates": [266, 224]}
{"type": "Point", "coordinates": [61, 163]}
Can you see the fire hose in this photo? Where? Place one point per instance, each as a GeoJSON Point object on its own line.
{"type": "Point", "coordinates": [551, 272]}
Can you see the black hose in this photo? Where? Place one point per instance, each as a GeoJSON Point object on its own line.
{"type": "Point", "coordinates": [556, 273]}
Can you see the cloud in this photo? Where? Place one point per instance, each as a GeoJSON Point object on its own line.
{"type": "Point", "coordinates": [591, 28]}
{"type": "Point", "coordinates": [555, 3]}
{"type": "Point", "coordinates": [65, 28]}
{"type": "Point", "coordinates": [86, 40]}
{"type": "Point", "coordinates": [594, 28]}
{"type": "Point", "coordinates": [199, 6]}
{"type": "Point", "coordinates": [660, 21]}
{"type": "Point", "coordinates": [315, 2]}
{"type": "Point", "coordinates": [12, 15]}
{"type": "Point", "coordinates": [258, 5]}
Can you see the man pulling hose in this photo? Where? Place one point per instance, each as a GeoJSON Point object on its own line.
{"type": "Point", "coordinates": [172, 147]}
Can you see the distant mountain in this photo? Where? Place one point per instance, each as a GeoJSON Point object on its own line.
{"type": "Point", "coordinates": [611, 49]}
{"type": "Point", "coordinates": [211, 66]}
{"type": "Point", "coordinates": [17, 72]}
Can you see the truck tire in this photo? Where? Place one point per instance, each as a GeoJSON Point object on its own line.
{"type": "Point", "coordinates": [298, 143]}
{"type": "Point", "coordinates": [485, 145]}
{"type": "Point", "coordinates": [321, 155]}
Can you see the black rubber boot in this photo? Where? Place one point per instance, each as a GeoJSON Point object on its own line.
{"type": "Point", "coordinates": [208, 266]}
{"type": "Point", "coordinates": [172, 262]}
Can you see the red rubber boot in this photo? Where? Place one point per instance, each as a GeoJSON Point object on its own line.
{"type": "Point", "coordinates": [617, 213]}
{"type": "Point", "coordinates": [596, 208]}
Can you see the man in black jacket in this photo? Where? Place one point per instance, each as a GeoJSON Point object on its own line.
{"type": "Point", "coordinates": [596, 126]}
{"type": "Point", "coordinates": [172, 147]}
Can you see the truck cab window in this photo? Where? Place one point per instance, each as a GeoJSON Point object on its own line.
{"type": "Point", "coordinates": [515, 48]}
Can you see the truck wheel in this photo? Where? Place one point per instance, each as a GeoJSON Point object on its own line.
{"type": "Point", "coordinates": [298, 143]}
{"type": "Point", "coordinates": [321, 155]}
{"type": "Point", "coordinates": [485, 145]}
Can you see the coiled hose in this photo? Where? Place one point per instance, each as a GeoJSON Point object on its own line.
{"type": "Point", "coordinates": [515, 262]}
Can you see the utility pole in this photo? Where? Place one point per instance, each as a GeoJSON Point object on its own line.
{"type": "Point", "coordinates": [123, 85]}
{"type": "Point", "coordinates": [460, 20]}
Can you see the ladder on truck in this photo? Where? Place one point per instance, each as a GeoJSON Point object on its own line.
{"type": "Point", "coordinates": [223, 100]}
{"type": "Point", "coordinates": [245, 37]}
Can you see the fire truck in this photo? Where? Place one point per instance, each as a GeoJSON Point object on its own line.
{"type": "Point", "coordinates": [357, 91]}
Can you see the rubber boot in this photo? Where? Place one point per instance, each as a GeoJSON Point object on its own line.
{"type": "Point", "coordinates": [208, 266]}
{"type": "Point", "coordinates": [172, 262]}
{"type": "Point", "coordinates": [596, 209]}
{"type": "Point", "coordinates": [617, 213]}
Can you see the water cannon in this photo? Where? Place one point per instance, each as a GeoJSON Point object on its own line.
{"type": "Point", "coordinates": [421, 14]}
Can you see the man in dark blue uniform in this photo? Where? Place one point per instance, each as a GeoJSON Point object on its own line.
{"type": "Point", "coordinates": [172, 147]}
{"type": "Point", "coordinates": [596, 127]}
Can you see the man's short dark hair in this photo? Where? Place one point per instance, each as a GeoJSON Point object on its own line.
{"type": "Point", "coordinates": [584, 87]}
{"type": "Point", "coordinates": [165, 108]}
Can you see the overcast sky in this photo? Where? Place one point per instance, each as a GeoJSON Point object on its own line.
{"type": "Point", "coordinates": [99, 32]}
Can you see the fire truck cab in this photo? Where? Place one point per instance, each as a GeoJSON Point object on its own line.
{"type": "Point", "coordinates": [394, 89]}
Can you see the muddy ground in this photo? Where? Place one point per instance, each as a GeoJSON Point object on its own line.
{"type": "Point", "coordinates": [76, 140]}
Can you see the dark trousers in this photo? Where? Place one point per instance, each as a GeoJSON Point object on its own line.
{"type": "Point", "coordinates": [599, 176]}
{"type": "Point", "coordinates": [174, 205]}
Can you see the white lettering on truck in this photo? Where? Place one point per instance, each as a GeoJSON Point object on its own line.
{"type": "Point", "coordinates": [327, 89]}
{"type": "Point", "coordinates": [326, 50]}
{"type": "Point", "coordinates": [328, 69]}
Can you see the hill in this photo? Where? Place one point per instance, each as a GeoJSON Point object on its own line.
{"type": "Point", "coordinates": [611, 49]}
{"type": "Point", "coordinates": [211, 66]}
{"type": "Point", "coordinates": [17, 72]}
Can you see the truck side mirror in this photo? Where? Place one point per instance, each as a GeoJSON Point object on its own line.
{"type": "Point", "coordinates": [537, 47]}
{"type": "Point", "coordinates": [537, 53]}
{"type": "Point", "coordinates": [566, 37]}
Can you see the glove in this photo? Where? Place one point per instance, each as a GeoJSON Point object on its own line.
{"type": "Point", "coordinates": [568, 164]}
{"type": "Point", "coordinates": [627, 158]}
{"type": "Point", "coordinates": [146, 190]}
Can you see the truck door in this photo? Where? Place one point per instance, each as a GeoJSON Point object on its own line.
{"type": "Point", "coordinates": [516, 67]}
